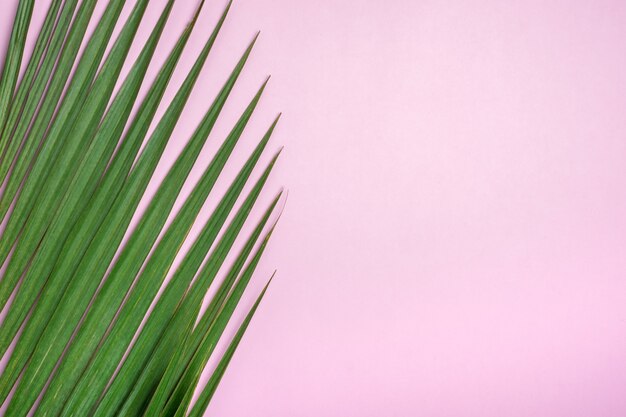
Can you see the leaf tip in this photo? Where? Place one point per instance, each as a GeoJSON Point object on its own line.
{"type": "Point", "coordinates": [269, 281]}
{"type": "Point", "coordinates": [260, 91]}
{"type": "Point", "coordinates": [280, 193]}
{"type": "Point", "coordinates": [275, 122]}
{"type": "Point", "coordinates": [194, 19]}
{"type": "Point", "coordinates": [284, 192]}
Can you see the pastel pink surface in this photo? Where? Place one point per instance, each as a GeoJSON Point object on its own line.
{"type": "Point", "coordinates": [454, 240]}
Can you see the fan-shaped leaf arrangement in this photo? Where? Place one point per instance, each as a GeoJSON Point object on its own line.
{"type": "Point", "coordinates": [75, 293]}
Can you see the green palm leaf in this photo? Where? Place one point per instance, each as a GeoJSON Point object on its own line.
{"type": "Point", "coordinates": [75, 172]}
{"type": "Point", "coordinates": [13, 57]}
{"type": "Point", "coordinates": [218, 373]}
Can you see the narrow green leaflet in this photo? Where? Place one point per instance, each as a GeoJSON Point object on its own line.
{"type": "Point", "coordinates": [79, 192]}
{"type": "Point", "coordinates": [205, 337]}
{"type": "Point", "coordinates": [157, 266]}
{"type": "Point", "coordinates": [208, 391]}
{"type": "Point", "coordinates": [94, 330]}
{"type": "Point", "coordinates": [64, 121]}
{"type": "Point", "coordinates": [22, 92]}
{"type": "Point", "coordinates": [102, 248]}
{"type": "Point", "coordinates": [111, 351]}
{"type": "Point", "coordinates": [145, 348]}
{"type": "Point", "coordinates": [104, 244]}
{"type": "Point", "coordinates": [31, 287]}
{"type": "Point", "coordinates": [187, 368]}
{"type": "Point", "coordinates": [13, 58]}
{"type": "Point", "coordinates": [69, 151]}
{"type": "Point", "coordinates": [135, 251]}
{"type": "Point", "coordinates": [210, 328]}
{"type": "Point", "coordinates": [83, 231]}
{"type": "Point", "coordinates": [190, 306]}
{"type": "Point", "coordinates": [38, 93]}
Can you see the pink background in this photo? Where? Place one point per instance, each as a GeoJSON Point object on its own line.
{"type": "Point", "coordinates": [454, 241]}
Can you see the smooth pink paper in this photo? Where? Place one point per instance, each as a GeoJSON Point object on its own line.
{"type": "Point", "coordinates": [454, 240]}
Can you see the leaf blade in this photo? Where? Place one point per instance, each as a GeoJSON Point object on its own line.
{"type": "Point", "coordinates": [207, 393]}
{"type": "Point", "coordinates": [10, 71]}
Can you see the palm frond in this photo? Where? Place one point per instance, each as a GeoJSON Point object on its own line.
{"type": "Point", "coordinates": [13, 58]}
{"type": "Point", "coordinates": [75, 172]}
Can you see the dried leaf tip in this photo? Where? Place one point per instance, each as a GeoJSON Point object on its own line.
{"type": "Point", "coordinates": [194, 19]}
{"type": "Point", "coordinates": [267, 79]}
{"type": "Point", "coordinates": [286, 193]}
{"type": "Point", "coordinates": [282, 207]}
{"type": "Point", "coordinates": [230, 3]}
{"type": "Point", "coordinates": [269, 282]}
{"type": "Point", "coordinates": [274, 224]}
